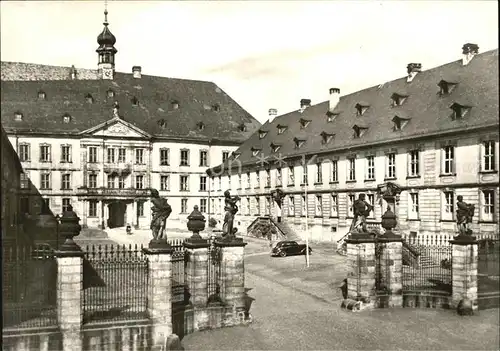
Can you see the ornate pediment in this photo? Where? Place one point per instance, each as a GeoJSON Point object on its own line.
{"type": "Point", "coordinates": [117, 128]}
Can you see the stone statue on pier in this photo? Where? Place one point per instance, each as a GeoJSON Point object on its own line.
{"type": "Point", "coordinates": [228, 231]}
{"type": "Point", "coordinates": [362, 210]}
{"type": "Point", "coordinates": [160, 212]}
{"type": "Point", "coordinates": [465, 212]}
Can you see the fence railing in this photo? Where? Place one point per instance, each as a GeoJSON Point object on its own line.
{"type": "Point", "coordinates": [115, 283]}
{"type": "Point", "coordinates": [178, 271]}
{"type": "Point", "coordinates": [488, 273]}
{"type": "Point", "coordinates": [29, 287]}
{"type": "Point", "coordinates": [214, 273]}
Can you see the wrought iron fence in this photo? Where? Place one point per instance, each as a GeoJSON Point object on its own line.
{"type": "Point", "coordinates": [214, 273]}
{"type": "Point", "coordinates": [488, 272]}
{"type": "Point", "coordinates": [432, 274]}
{"type": "Point", "coordinates": [178, 271]}
{"type": "Point", "coordinates": [115, 279]}
{"type": "Point", "coordinates": [29, 286]}
{"type": "Point", "coordinates": [383, 265]}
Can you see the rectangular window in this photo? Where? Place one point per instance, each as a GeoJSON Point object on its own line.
{"type": "Point", "coordinates": [121, 182]}
{"type": "Point", "coordinates": [257, 205]}
{"type": "Point", "coordinates": [92, 208]}
{"type": "Point", "coordinates": [184, 183]}
{"type": "Point", "coordinates": [488, 156]}
{"type": "Point", "coordinates": [139, 181]}
{"type": "Point", "coordinates": [370, 198]}
{"type": "Point", "coordinates": [257, 179]}
{"type": "Point", "coordinates": [45, 181]}
{"type": "Point", "coordinates": [334, 172]}
{"type": "Point", "coordinates": [304, 206]}
{"type": "Point", "coordinates": [66, 181]}
{"type": "Point", "coordinates": [122, 155]}
{"type": "Point", "coordinates": [164, 182]}
{"type": "Point", "coordinates": [111, 155]}
{"type": "Point", "coordinates": [304, 175]}
{"type": "Point", "coordinates": [414, 163]}
{"type": "Point", "coordinates": [350, 205]}
{"type": "Point", "coordinates": [268, 205]}
{"type": "Point", "coordinates": [164, 157]}
{"type": "Point", "coordinates": [203, 158]}
{"type": "Point", "coordinates": [24, 180]}
{"type": "Point", "coordinates": [139, 156]}
{"type": "Point", "coordinates": [92, 154]}
{"type": "Point", "coordinates": [203, 205]}
{"type": "Point", "coordinates": [370, 168]}
{"type": "Point", "coordinates": [45, 203]}
{"type": "Point", "coordinates": [212, 206]}
{"type": "Point", "coordinates": [65, 153]}
{"type": "Point", "coordinates": [268, 178]}
{"type": "Point", "coordinates": [248, 181]}
{"type": "Point", "coordinates": [390, 166]}
{"type": "Point", "coordinates": [351, 169]}
{"type": "Point", "coordinates": [184, 205]}
{"type": "Point", "coordinates": [140, 209]}
{"type": "Point", "coordinates": [220, 183]}
{"type": "Point", "coordinates": [319, 205]}
{"type": "Point", "coordinates": [203, 183]}
{"type": "Point", "coordinates": [279, 181]}
{"type": "Point", "coordinates": [66, 204]}
{"type": "Point", "coordinates": [239, 181]}
{"type": "Point", "coordinates": [448, 163]}
{"type": "Point", "coordinates": [448, 210]}
{"type": "Point", "coordinates": [92, 181]}
{"type": "Point", "coordinates": [111, 181]}
{"type": "Point", "coordinates": [319, 173]}
{"type": "Point", "coordinates": [291, 175]}
{"type": "Point", "coordinates": [413, 206]}
{"type": "Point", "coordinates": [44, 153]}
{"type": "Point", "coordinates": [220, 206]}
{"type": "Point", "coordinates": [248, 206]}
{"type": "Point", "coordinates": [184, 157]}
{"type": "Point", "coordinates": [225, 156]}
{"type": "Point", "coordinates": [291, 205]}
{"type": "Point", "coordinates": [24, 152]}
{"type": "Point", "coordinates": [334, 206]}
{"type": "Point", "coordinates": [488, 205]}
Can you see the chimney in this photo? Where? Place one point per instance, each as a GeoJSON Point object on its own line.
{"type": "Point", "coordinates": [304, 103]}
{"type": "Point", "coordinates": [468, 52]}
{"type": "Point", "coordinates": [272, 114]}
{"type": "Point", "coordinates": [334, 98]}
{"type": "Point", "coordinates": [136, 71]}
{"type": "Point", "coordinates": [413, 69]}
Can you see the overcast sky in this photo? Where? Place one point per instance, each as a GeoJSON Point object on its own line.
{"type": "Point", "coordinates": [265, 54]}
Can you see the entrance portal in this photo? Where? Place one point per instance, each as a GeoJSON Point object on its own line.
{"type": "Point", "coordinates": [117, 211]}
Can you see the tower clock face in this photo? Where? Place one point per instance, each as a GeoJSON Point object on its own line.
{"type": "Point", "coordinates": [108, 73]}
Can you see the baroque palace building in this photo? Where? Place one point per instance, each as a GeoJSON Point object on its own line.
{"type": "Point", "coordinates": [98, 139]}
{"type": "Point", "coordinates": [433, 132]}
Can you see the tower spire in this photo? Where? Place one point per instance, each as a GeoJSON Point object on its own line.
{"type": "Point", "coordinates": [106, 50]}
{"type": "Point", "coordinates": [106, 13]}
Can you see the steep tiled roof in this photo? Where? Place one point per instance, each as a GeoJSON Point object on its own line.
{"type": "Point", "coordinates": [179, 105]}
{"type": "Point", "coordinates": [424, 111]}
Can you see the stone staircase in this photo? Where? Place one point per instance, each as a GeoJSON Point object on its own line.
{"type": "Point", "coordinates": [289, 233]}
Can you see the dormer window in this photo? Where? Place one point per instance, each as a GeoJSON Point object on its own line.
{"type": "Point", "coordinates": [216, 107]}
{"type": "Point", "coordinates": [445, 87]}
{"type": "Point", "coordinates": [41, 95]}
{"type": "Point", "coordinates": [275, 147]}
{"type": "Point", "coordinates": [398, 99]}
{"type": "Point", "coordinates": [255, 151]}
{"type": "Point", "coordinates": [459, 111]}
{"type": "Point", "coordinates": [242, 127]}
{"type": "Point", "coordinates": [281, 128]}
{"type": "Point", "coordinates": [298, 143]}
{"type": "Point", "coordinates": [304, 123]}
{"type": "Point", "coordinates": [200, 125]}
{"type": "Point", "coordinates": [262, 134]}
{"type": "Point", "coordinates": [326, 137]}
{"type": "Point", "coordinates": [399, 123]}
{"type": "Point", "coordinates": [361, 109]}
{"type": "Point", "coordinates": [110, 93]}
{"type": "Point", "coordinates": [330, 116]}
{"type": "Point", "coordinates": [359, 131]}
{"type": "Point", "coordinates": [18, 116]}
{"type": "Point", "coordinates": [66, 118]}
{"type": "Point", "coordinates": [236, 155]}
{"type": "Point", "coordinates": [162, 123]}
{"type": "Point", "coordinates": [175, 104]}
{"type": "Point", "coordinates": [89, 99]}
{"type": "Point", "coordinates": [134, 101]}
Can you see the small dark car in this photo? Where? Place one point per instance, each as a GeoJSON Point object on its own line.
{"type": "Point", "coordinates": [288, 248]}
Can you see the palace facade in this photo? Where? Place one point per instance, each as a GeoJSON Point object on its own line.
{"type": "Point", "coordinates": [433, 132]}
{"type": "Point", "coordinates": [98, 140]}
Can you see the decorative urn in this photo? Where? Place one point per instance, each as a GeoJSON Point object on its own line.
{"type": "Point", "coordinates": [389, 221]}
{"type": "Point", "coordinates": [68, 229]}
{"type": "Point", "coordinates": [196, 223]}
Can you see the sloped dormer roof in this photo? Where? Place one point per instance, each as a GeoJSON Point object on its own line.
{"type": "Point", "coordinates": [428, 110]}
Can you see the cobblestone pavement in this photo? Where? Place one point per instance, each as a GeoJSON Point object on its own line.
{"type": "Point", "coordinates": [295, 308]}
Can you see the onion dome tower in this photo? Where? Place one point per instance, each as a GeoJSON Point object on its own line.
{"type": "Point", "coordinates": [106, 50]}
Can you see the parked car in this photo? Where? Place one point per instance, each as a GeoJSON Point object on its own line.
{"type": "Point", "coordinates": [288, 248]}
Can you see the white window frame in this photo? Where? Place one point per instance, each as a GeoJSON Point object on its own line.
{"type": "Point", "coordinates": [111, 181]}
{"type": "Point", "coordinates": [414, 163]}
{"type": "Point", "coordinates": [92, 208]}
{"type": "Point", "coordinates": [122, 155]}
{"type": "Point", "coordinates": [291, 205]}
{"type": "Point", "coordinates": [184, 158]}
{"type": "Point", "coordinates": [184, 205]}
{"type": "Point", "coordinates": [268, 178]}
{"type": "Point", "coordinates": [257, 205]}
{"type": "Point", "coordinates": [24, 152]}
{"type": "Point", "coordinates": [121, 182]}
{"type": "Point", "coordinates": [139, 156]}
{"type": "Point", "coordinates": [370, 167]}
{"type": "Point", "coordinates": [334, 205]}
{"type": "Point", "coordinates": [249, 180]}
{"type": "Point", "coordinates": [248, 205]}
{"type": "Point", "coordinates": [139, 181]}
{"type": "Point", "coordinates": [351, 169]}
{"type": "Point", "coordinates": [390, 169]}
{"type": "Point", "coordinates": [92, 183]}
{"type": "Point", "coordinates": [319, 172]}
{"type": "Point", "coordinates": [203, 183]}
{"type": "Point", "coordinates": [413, 206]}
{"type": "Point", "coordinates": [66, 203]}
{"type": "Point", "coordinates": [488, 159]}
{"type": "Point", "coordinates": [93, 154]}
{"type": "Point", "coordinates": [66, 153]}
{"type": "Point", "coordinates": [45, 180]}
{"type": "Point", "coordinates": [350, 205]}
{"type": "Point", "coordinates": [66, 181]}
{"type": "Point", "coordinates": [448, 160]}
{"type": "Point", "coordinates": [164, 156]}
{"type": "Point", "coordinates": [487, 205]}
{"type": "Point", "coordinates": [370, 198]}
{"type": "Point", "coordinates": [304, 205]}
{"type": "Point", "coordinates": [305, 175]}
{"type": "Point", "coordinates": [278, 177]}
{"type": "Point", "coordinates": [111, 155]}
{"type": "Point", "coordinates": [319, 206]}
{"type": "Point", "coordinates": [164, 182]}
{"type": "Point", "coordinates": [334, 171]}
{"type": "Point", "coordinates": [184, 182]}
{"type": "Point", "coordinates": [291, 175]}
{"type": "Point", "coordinates": [203, 158]}
{"type": "Point", "coordinates": [447, 205]}
{"type": "Point", "coordinates": [45, 156]}
{"type": "Point", "coordinates": [203, 205]}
